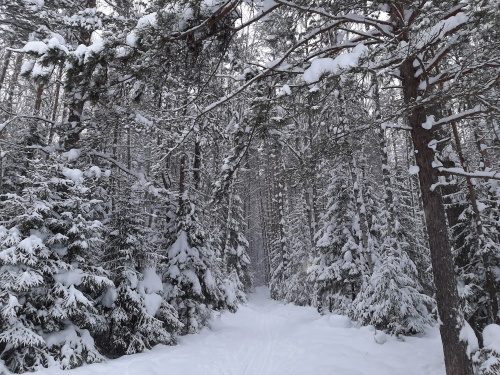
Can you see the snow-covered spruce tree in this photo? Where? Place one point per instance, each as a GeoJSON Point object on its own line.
{"type": "Point", "coordinates": [49, 275]}
{"type": "Point", "coordinates": [476, 231]}
{"type": "Point", "coordinates": [338, 268]}
{"type": "Point", "coordinates": [235, 250]}
{"type": "Point", "coordinates": [297, 288]}
{"type": "Point", "coordinates": [469, 265]}
{"type": "Point", "coordinates": [192, 273]}
{"type": "Point", "coordinates": [391, 298]}
{"type": "Point", "coordinates": [138, 315]}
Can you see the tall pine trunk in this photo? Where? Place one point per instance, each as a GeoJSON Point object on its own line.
{"type": "Point", "coordinates": [5, 66]}
{"type": "Point", "coordinates": [452, 320]}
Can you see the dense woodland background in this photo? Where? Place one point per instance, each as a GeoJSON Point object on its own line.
{"type": "Point", "coordinates": [160, 157]}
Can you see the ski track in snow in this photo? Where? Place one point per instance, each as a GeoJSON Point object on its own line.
{"type": "Point", "coordinates": [266, 337]}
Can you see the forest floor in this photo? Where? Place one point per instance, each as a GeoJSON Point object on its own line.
{"type": "Point", "coordinates": [266, 337]}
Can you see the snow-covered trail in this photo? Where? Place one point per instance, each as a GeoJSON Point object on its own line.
{"type": "Point", "coordinates": [268, 338]}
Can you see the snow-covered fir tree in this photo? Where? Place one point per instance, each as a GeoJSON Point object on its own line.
{"type": "Point", "coordinates": [297, 288]}
{"type": "Point", "coordinates": [235, 251]}
{"type": "Point", "coordinates": [138, 315]}
{"type": "Point", "coordinates": [50, 275]}
{"type": "Point", "coordinates": [191, 270]}
{"type": "Point", "coordinates": [340, 265]}
{"type": "Point", "coordinates": [392, 297]}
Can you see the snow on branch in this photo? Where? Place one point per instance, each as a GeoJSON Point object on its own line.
{"type": "Point", "coordinates": [272, 68]}
{"type": "Point", "coordinates": [329, 65]}
{"type": "Point", "coordinates": [491, 175]}
{"type": "Point", "coordinates": [432, 123]}
{"type": "Point", "coordinates": [262, 13]}
{"type": "Point", "coordinates": [383, 27]}
{"type": "Point", "coordinates": [202, 31]}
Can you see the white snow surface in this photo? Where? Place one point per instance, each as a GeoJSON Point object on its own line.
{"type": "Point", "coordinates": [467, 334]}
{"type": "Point", "coordinates": [72, 174]}
{"type": "Point", "coordinates": [414, 169]}
{"type": "Point", "coordinates": [36, 46]}
{"type": "Point", "coordinates": [266, 337]}
{"type": "Point", "coordinates": [328, 65]}
{"type": "Point", "coordinates": [148, 288]}
{"type": "Point", "coordinates": [491, 337]}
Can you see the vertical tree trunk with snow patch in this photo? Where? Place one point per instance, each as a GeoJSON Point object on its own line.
{"type": "Point", "coordinates": [456, 360]}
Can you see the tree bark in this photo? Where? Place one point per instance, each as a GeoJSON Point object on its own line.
{"type": "Point", "coordinates": [5, 65]}
{"type": "Point", "coordinates": [452, 320]}
{"type": "Point", "coordinates": [13, 83]}
{"type": "Point", "coordinates": [197, 165]}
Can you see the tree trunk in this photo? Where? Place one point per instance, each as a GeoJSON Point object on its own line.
{"type": "Point", "coordinates": [456, 360]}
{"type": "Point", "coordinates": [13, 83]}
{"type": "Point", "coordinates": [182, 181]}
{"type": "Point", "coordinates": [197, 165]}
{"type": "Point", "coordinates": [5, 65]}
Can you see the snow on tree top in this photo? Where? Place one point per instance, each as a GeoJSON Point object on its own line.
{"type": "Point", "coordinates": [31, 243]}
{"type": "Point", "coordinates": [72, 277]}
{"type": "Point", "coordinates": [180, 250]}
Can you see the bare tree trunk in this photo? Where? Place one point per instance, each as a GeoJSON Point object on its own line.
{"type": "Point", "coordinates": [5, 66]}
{"type": "Point", "coordinates": [197, 165]}
{"type": "Point", "coordinates": [55, 106]}
{"type": "Point", "coordinates": [3, 74]}
{"type": "Point", "coordinates": [129, 147]}
{"type": "Point", "coordinates": [182, 180]}
{"type": "Point", "coordinates": [38, 100]}
{"type": "Point", "coordinates": [386, 177]}
{"type": "Point", "coordinates": [13, 82]}
{"type": "Point", "coordinates": [456, 359]}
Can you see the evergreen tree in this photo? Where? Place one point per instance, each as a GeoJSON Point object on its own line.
{"type": "Point", "coordinates": [235, 251]}
{"type": "Point", "coordinates": [50, 277]}
{"type": "Point", "coordinates": [392, 298]}
{"type": "Point", "coordinates": [139, 317]}
{"type": "Point", "coordinates": [339, 266]}
{"type": "Point", "coordinates": [192, 273]}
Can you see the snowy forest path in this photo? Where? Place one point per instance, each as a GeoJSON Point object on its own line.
{"type": "Point", "coordinates": [266, 337]}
